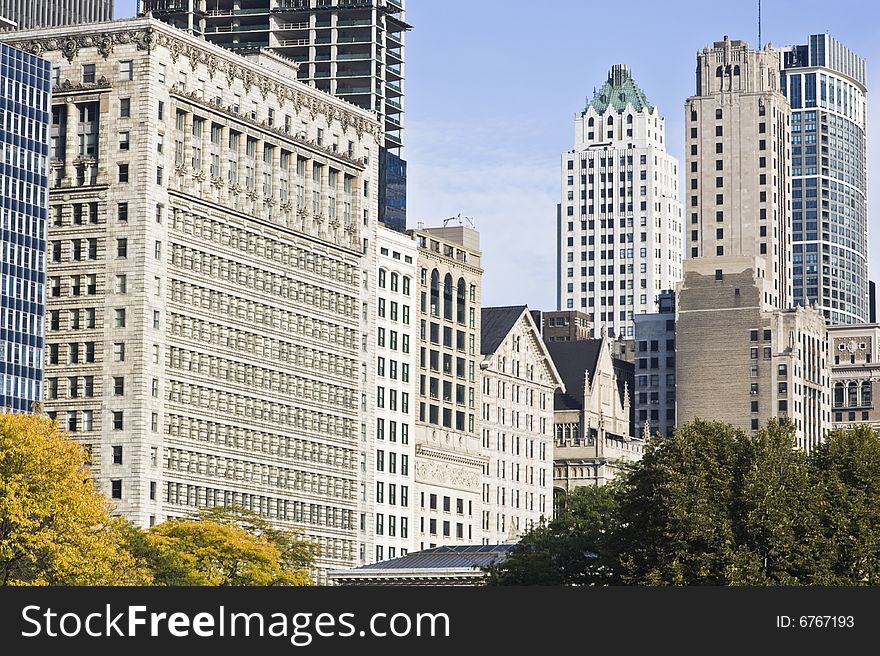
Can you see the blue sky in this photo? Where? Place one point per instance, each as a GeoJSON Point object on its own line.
{"type": "Point", "coordinates": [493, 86]}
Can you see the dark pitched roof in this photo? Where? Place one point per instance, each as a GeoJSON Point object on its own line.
{"type": "Point", "coordinates": [626, 374]}
{"type": "Point", "coordinates": [472, 556]}
{"type": "Point", "coordinates": [496, 323]}
{"type": "Point", "coordinates": [572, 359]}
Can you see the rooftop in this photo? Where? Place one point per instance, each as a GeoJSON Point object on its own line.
{"type": "Point", "coordinates": [619, 91]}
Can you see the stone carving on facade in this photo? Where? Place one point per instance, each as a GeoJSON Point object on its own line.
{"type": "Point", "coordinates": [441, 473]}
{"type": "Point", "coordinates": [146, 39]}
{"type": "Point", "coordinates": [67, 85]}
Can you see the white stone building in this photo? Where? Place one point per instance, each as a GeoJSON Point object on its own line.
{"type": "Point", "coordinates": [388, 485]}
{"type": "Point", "coordinates": [519, 380]}
{"type": "Point", "coordinates": [206, 284]}
{"type": "Point", "coordinates": [449, 459]}
{"type": "Point", "coordinates": [620, 231]}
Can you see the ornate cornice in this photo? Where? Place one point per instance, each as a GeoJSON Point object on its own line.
{"type": "Point", "coordinates": [231, 67]}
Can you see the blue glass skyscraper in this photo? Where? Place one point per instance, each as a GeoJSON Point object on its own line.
{"type": "Point", "coordinates": [24, 124]}
{"type": "Point", "coordinates": [825, 85]}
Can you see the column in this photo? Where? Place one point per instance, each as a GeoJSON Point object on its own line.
{"type": "Point", "coordinates": [71, 147]}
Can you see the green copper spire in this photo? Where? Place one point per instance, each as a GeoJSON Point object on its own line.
{"type": "Point", "coordinates": [619, 91]}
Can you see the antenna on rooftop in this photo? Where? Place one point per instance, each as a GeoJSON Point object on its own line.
{"type": "Point", "coordinates": [458, 217]}
{"type": "Point", "coordinates": [759, 24]}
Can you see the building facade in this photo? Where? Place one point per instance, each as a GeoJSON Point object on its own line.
{"type": "Point", "coordinates": [205, 278]}
{"type": "Point", "coordinates": [449, 460]}
{"type": "Point", "coordinates": [519, 380]}
{"type": "Point", "coordinates": [565, 326]}
{"type": "Point", "coordinates": [654, 392]}
{"type": "Point", "coordinates": [26, 14]}
{"type": "Point", "coordinates": [825, 84]}
{"type": "Point", "coordinates": [855, 375]}
{"type": "Point", "coordinates": [742, 356]}
{"type": "Point", "coordinates": [388, 488]}
{"type": "Point", "coordinates": [25, 107]}
{"type": "Point", "coordinates": [592, 418]}
{"type": "Point", "coordinates": [353, 49]}
{"type": "Point", "coordinates": [620, 217]}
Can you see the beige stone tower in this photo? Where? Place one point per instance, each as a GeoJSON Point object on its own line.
{"type": "Point", "coordinates": [741, 355]}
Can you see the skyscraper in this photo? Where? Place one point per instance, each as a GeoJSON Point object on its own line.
{"type": "Point", "coordinates": [24, 104]}
{"type": "Point", "coordinates": [353, 49]}
{"type": "Point", "coordinates": [206, 278]}
{"type": "Point", "coordinates": [46, 13]}
{"type": "Point", "coordinates": [742, 356]}
{"type": "Point", "coordinates": [825, 85]}
{"type": "Point", "coordinates": [620, 217]}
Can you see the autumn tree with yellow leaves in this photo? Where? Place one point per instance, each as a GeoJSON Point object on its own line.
{"type": "Point", "coordinates": [55, 527]}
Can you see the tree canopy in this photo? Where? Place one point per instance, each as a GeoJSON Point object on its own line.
{"type": "Point", "coordinates": [712, 505]}
{"type": "Point", "coordinates": [55, 527]}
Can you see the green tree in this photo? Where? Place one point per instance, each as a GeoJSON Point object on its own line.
{"type": "Point", "coordinates": [55, 528]}
{"type": "Point", "coordinates": [567, 550]}
{"type": "Point", "coordinates": [846, 467]}
{"type": "Point", "coordinates": [712, 505]}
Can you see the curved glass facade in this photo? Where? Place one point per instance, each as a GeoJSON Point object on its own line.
{"type": "Point", "coordinates": [825, 85]}
{"type": "Point", "coordinates": [24, 124]}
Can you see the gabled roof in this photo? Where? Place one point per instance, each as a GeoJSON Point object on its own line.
{"type": "Point", "coordinates": [572, 360]}
{"type": "Point", "coordinates": [619, 91]}
{"type": "Point", "coordinates": [496, 323]}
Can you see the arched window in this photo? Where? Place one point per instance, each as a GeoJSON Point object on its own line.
{"type": "Point", "coordinates": [719, 72]}
{"type": "Point", "coordinates": [852, 394]}
{"type": "Point", "coordinates": [460, 298]}
{"type": "Point", "coordinates": [406, 284]}
{"type": "Point", "coordinates": [866, 393]}
{"type": "Point", "coordinates": [629, 119]}
{"type": "Point", "coordinates": [435, 293]}
{"type": "Point", "coordinates": [394, 279]}
{"type": "Point", "coordinates": [591, 122]}
{"type": "Point", "coordinates": [736, 70]}
{"type": "Point", "coordinates": [838, 395]}
{"type": "Point", "coordinates": [718, 113]}
{"type": "Point", "coordinates": [381, 277]}
{"type": "Point", "coordinates": [610, 120]}
{"type": "Point", "coordinates": [447, 297]}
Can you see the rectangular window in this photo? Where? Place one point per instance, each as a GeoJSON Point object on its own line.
{"type": "Point", "coordinates": [88, 73]}
{"type": "Point", "coordinates": [126, 70]}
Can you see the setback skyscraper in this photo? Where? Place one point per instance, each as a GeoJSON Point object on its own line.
{"type": "Point", "coordinates": [24, 105]}
{"type": "Point", "coordinates": [825, 85]}
{"type": "Point", "coordinates": [620, 218]}
{"type": "Point", "coordinates": [742, 356]}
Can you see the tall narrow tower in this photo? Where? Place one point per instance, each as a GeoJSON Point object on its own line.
{"type": "Point", "coordinates": [737, 195]}
{"type": "Point", "coordinates": [620, 219]}
{"type": "Point", "coordinates": [825, 84]}
{"type": "Point", "coordinates": [742, 356]}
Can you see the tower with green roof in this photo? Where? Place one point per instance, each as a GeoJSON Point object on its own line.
{"type": "Point", "coordinates": [619, 220]}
